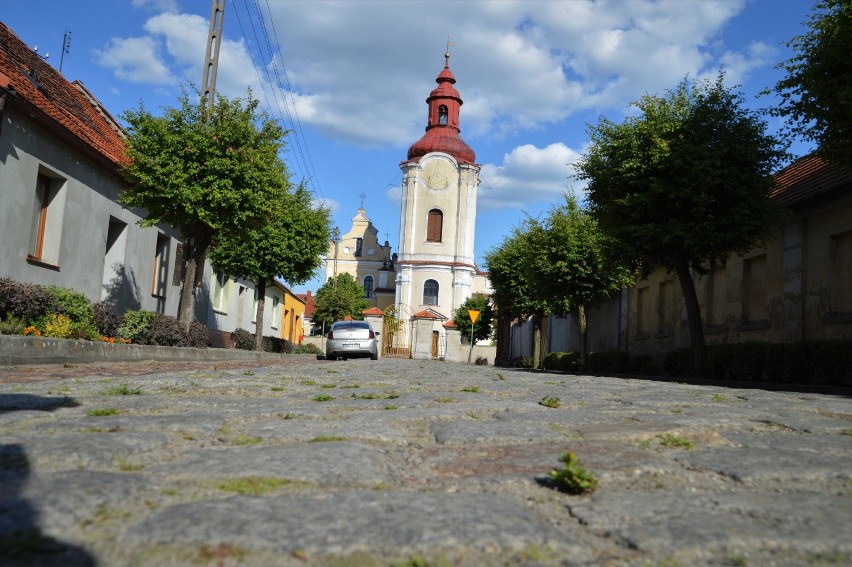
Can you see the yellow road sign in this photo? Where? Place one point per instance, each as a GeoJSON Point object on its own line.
{"type": "Point", "coordinates": [473, 315]}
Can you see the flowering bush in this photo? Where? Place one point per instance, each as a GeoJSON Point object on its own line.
{"type": "Point", "coordinates": [32, 331]}
{"type": "Point", "coordinates": [58, 326]}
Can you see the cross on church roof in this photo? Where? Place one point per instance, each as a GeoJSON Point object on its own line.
{"type": "Point", "coordinates": [363, 196]}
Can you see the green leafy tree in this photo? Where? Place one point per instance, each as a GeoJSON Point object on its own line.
{"type": "Point", "coordinates": [574, 264]}
{"type": "Point", "coordinates": [513, 295]}
{"type": "Point", "coordinates": [205, 171]}
{"type": "Point", "coordinates": [816, 94]}
{"type": "Point", "coordinates": [482, 327]}
{"type": "Point", "coordinates": [683, 184]}
{"type": "Point", "coordinates": [337, 298]}
{"type": "Point", "coordinates": [286, 242]}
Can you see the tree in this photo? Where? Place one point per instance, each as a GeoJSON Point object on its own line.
{"type": "Point", "coordinates": [286, 242]}
{"type": "Point", "coordinates": [574, 264]}
{"type": "Point", "coordinates": [338, 298]}
{"type": "Point", "coordinates": [482, 327]}
{"type": "Point", "coordinates": [203, 171]}
{"type": "Point", "coordinates": [513, 294]}
{"type": "Point", "coordinates": [816, 94]}
{"type": "Point", "coordinates": [683, 184]}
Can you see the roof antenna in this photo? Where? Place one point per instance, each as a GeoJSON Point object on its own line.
{"type": "Point", "coordinates": [66, 47]}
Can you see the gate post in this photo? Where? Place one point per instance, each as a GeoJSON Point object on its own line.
{"type": "Point", "coordinates": [374, 316]}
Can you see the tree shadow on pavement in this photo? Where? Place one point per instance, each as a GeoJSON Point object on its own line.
{"type": "Point", "coordinates": [31, 402]}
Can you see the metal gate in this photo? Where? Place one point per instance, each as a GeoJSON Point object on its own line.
{"type": "Point", "coordinates": [396, 331]}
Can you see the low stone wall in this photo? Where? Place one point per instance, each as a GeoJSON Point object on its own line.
{"type": "Point", "coordinates": [17, 350]}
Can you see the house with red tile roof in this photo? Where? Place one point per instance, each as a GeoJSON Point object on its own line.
{"type": "Point", "coordinates": [61, 158]}
{"type": "Point", "coordinates": [797, 287]}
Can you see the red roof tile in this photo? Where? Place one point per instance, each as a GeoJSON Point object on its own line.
{"type": "Point", "coordinates": [66, 109]}
{"type": "Point", "coordinates": [808, 177]}
{"type": "Point", "coordinates": [373, 311]}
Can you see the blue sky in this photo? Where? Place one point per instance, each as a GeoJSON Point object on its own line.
{"type": "Point", "coordinates": [350, 78]}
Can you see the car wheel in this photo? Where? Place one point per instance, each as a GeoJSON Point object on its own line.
{"type": "Point", "coordinates": [344, 359]}
{"type": "Point", "coordinates": [374, 356]}
{"type": "Point", "coordinates": [331, 356]}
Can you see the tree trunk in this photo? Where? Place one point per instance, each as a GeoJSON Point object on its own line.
{"type": "Point", "coordinates": [693, 315]}
{"type": "Point", "coordinates": [261, 302]}
{"type": "Point", "coordinates": [536, 354]}
{"type": "Point", "coordinates": [195, 244]}
{"type": "Point", "coordinates": [582, 332]}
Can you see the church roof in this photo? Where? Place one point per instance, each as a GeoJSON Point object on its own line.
{"type": "Point", "coordinates": [442, 131]}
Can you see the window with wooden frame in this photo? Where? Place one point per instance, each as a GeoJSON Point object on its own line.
{"type": "Point", "coordinates": [161, 266]}
{"type": "Point", "coordinates": [220, 291]}
{"type": "Point", "coordinates": [435, 226]}
{"type": "Point", "coordinates": [430, 292]}
{"type": "Point", "coordinates": [46, 225]}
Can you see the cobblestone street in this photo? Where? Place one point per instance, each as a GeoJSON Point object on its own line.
{"type": "Point", "coordinates": [306, 462]}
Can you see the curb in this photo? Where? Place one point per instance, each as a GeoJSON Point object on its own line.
{"type": "Point", "coordinates": [19, 350]}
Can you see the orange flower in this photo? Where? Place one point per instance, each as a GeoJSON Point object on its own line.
{"type": "Point", "coordinates": [32, 331]}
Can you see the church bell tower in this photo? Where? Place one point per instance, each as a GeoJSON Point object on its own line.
{"type": "Point", "coordinates": [436, 268]}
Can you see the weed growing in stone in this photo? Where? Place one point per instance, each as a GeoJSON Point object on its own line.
{"type": "Point", "coordinates": [308, 383]}
{"type": "Point", "coordinates": [327, 438]}
{"type": "Point", "coordinates": [288, 415]}
{"type": "Point", "coordinates": [500, 376]}
{"type": "Point", "coordinates": [102, 412]}
{"type": "Point", "coordinates": [123, 390]}
{"type": "Point", "coordinates": [550, 402]}
{"type": "Point", "coordinates": [471, 389]}
{"type": "Point", "coordinates": [248, 373]}
{"type": "Point", "coordinates": [375, 396]}
{"type": "Point", "coordinates": [323, 398]}
{"type": "Point", "coordinates": [277, 388]}
{"type": "Point", "coordinates": [669, 440]}
{"type": "Point", "coordinates": [220, 553]}
{"type": "Point", "coordinates": [445, 400]}
{"type": "Point", "coordinates": [718, 398]}
{"type": "Point", "coordinates": [246, 440]}
{"type": "Point", "coordinates": [351, 386]}
{"type": "Point", "coordinates": [253, 485]}
{"type": "Point", "coordinates": [573, 478]}
{"type": "Point", "coordinates": [328, 386]}
{"type": "Point", "coordinates": [847, 432]}
{"type": "Point", "coordinates": [126, 466]}
{"type": "Point", "coordinates": [390, 407]}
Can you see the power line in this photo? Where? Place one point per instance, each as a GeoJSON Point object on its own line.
{"type": "Point", "coordinates": [302, 159]}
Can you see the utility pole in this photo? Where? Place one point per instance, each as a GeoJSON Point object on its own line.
{"type": "Point", "coordinates": [211, 60]}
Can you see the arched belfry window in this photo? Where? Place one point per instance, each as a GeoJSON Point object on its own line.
{"type": "Point", "coordinates": [430, 292]}
{"type": "Point", "coordinates": [442, 114]}
{"type": "Point", "coordinates": [434, 226]}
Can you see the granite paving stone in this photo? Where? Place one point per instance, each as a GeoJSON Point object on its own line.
{"type": "Point", "coordinates": [296, 461]}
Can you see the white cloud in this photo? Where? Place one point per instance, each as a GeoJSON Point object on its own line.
{"type": "Point", "coordinates": [528, 174]}
{"type": "Point", "coordinates": [135, 60]}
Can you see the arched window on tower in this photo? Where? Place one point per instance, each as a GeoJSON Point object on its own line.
{"type": "Point", "coordinates": [430, 292]}
{"type": "Point", "coordinates": [434, 226]}
{"type": "Point", "coordinates": [368, 287]}
{"type": "Point", "coordinates": [442, 114]}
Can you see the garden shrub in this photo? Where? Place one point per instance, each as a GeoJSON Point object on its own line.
{"type": "Point", "coordinates": [643, 364]}
{"type": "Point", "coordinates": [12, 326]}
{"type": "Point", "coordinates": [199, 336]}
{"type": "Point", "coordinates": [71, 303]}
{"type": "Point", "coordinates": [135, 326]}
{"type": "Point", "coordinates": [57, 326]}
{"type": "Point", "coordinates": [481, 361]}
{"type": "Point", "coordinates": [28, 302]}
{"type": "Point", "coordinates": [243, 339]}
{"type": "Point", "coordinates": [521, 362]}
{"type": "Point", "coordinates": [276, 344]}
{"type": "Point", "coordinates": [678, 362]}
{"type": "Point", "coordinates": [564, 361]}
{"type": "Point", "coordinates": [106, 320]}
{"type": "Point", "coordinates": [608, 361]}
{"type": "Point", "coordinates": [164, 330]}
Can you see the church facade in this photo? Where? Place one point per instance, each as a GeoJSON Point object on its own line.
{"type": "Point", "coordinates": [434, 271]}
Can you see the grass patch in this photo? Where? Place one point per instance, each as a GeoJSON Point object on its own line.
{"type": "Point", "coordinates": [500, 376]}
{"type": "Point", "coordinates": [102, 412]}
{"type": "Point", "coordinates": [375, 396]}
{"type": "Point", "coordinates": [308, 382]}
{"type": "Point", "coordinates": [126, 466]}
{"type": "Point", "coordinates": [390, 407]}
{"type": "Point", "coordinates": [323, 398]}
{"type": "Point", "coordinates": [718, 398]}
{"type": "Point", "coordinates": [550, 402]}
{"type": "Point", "coordinates": [123, 390]}
{"type": "Point", "coordinates": [351, 386]}
{"type": "Point", "coordinates": [327, 438]}
{"type": "Point", "coordinates": [328, 386]}
{"type": "Point", "coordinates": [471, 389]}
{"type": "Point", "coordinates": [246, 440]}
{"type": "Point", "coordinates": [674, 441]}
{"type": "Point", "coordinates": [446, 400]}
{"type": "Point", "coordinates": [253, 485]}
{"type": "Point", "coordinates": [277, 388]}
{"type": "Point", "coordinates": [847, 432]}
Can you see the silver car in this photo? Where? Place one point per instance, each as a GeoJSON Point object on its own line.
{"type": "Point", "coordinates": [351, 339]}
